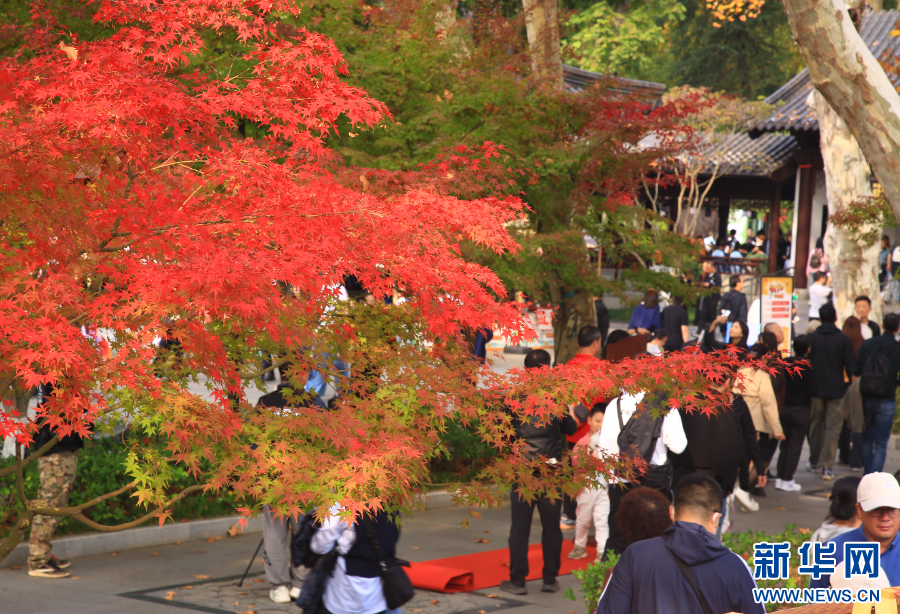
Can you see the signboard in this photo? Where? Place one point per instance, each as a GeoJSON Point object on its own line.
{"type": "Point", "coordinates": [776, 305]}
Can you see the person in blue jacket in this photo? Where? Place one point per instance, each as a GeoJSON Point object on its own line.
{"type": "Point", "coordinates": [652, 575]}
{"type": "Point", "coordinates": [646, 317]}
{"type": "Point", "coordinates": [878, 507]}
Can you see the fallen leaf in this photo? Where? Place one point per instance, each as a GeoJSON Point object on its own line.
{"type": "Point", "coordinates": [177, 543]}
{"type": "Point", "coordinates": [804, 531]}
{"type": "Point", "coordinates": [201, 550]}
{"type": "Point", "coordinates": [241, 592]}
{"type": "Point", "coordinates": [113, 554]}
{"type": "Point", "coordinates": [76, 577]}
{"type": "Point", "coordinates": [492, 595]}
{"type": "Point", "coordinates": [154, 554]}
{"type": "Point", "coordinates": [170, 595]}
{"type": "Point", "coordinates": [481, 612]}
{"type": "Point", "coordinates": [233, 531]}
{"type": "Point", "coordinates": [482, 541]}
{"type": "Point", "coordinates": [187, 587]}
{"type": "Point", "coordinates": [571, 611]}
{"type": "Point", "coordinates": [184, 520]}
{"type": "Point", "coordinates": [781, 509]}
{"type": "Point", "coordinates": [203, 577]}
{"type": "Point", "coordinates": [211, 540]}
{"type": "Point", "coordinates": [258, 581]}
{"type": "Point", "coordinates": [236, 603]}
{"type": "Point", "coordinates": [487, 531]}
{"type": "Point", "coordinates": [434, 602]}
{"type": "Point", "coordinates": [414, 547]}
{"type": "Point", "coordinates": [248, 612]}
{"type": "Point", "coordinates": [15, 567]}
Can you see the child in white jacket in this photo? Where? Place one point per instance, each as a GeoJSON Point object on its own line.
{"type": "Point", "coordinates": [593, 503]}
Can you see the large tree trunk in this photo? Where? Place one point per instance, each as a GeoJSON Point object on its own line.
{"type": "Point", "coordinates": [854, 265]}
{"type": "Point", "coordinates": [542, 26]}
{"type": "Point", "coordinates": [574, 311]}
{"type": "Point", "coordinates": [844, 70]}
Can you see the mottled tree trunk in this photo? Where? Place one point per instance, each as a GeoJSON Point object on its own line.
{"type": "Point", "coordinates": [575, 308]}
{"type": "Point", "coordinates": [854, 265]}
{"type": "Point", "coordinates": [542, 26]}
{"type": "Point", "coordinates": [847, 74]}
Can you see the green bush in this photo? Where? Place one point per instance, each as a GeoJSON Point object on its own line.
{"type": "Point", "coordinates": [592, 580]}
{"type": "Point", "coordinates": [464, 456]}
{"type": "Point", "coordinates": [101, 470]}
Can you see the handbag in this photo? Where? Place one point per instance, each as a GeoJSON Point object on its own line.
{"type": "Point", "coordinates": [394, 582]}
{"type": "Point", "coordinates": [316, 580]}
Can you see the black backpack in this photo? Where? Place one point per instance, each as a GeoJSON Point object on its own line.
{"type": "Point", "coordinates": [876, 380]}
{"type": "Point", "coordinates": [638, 436]}
{"type": "Point", "coordinates": [815, 261]}
{"type": "Point", "coordinates": [301, 552]}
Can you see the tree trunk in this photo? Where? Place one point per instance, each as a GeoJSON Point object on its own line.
{"type": "Point", "coordinates": [542, 26]}
{"type": "Point", "coordinates": [854, 265]}
{"type": "Point", "coordinates": [574, 309]}
{"type": "Point", "coordinates": [843, 69]}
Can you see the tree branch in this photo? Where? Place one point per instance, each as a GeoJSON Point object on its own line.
{"type": "Point", "coordinates": [134, 523]}
{"type": "Point", "coordinates": [30, 458]}
{"type": "Point", "coordinates": [16, 535]}
{"type": "Point", "coordinates": [261, 372]}
{"type": "Point", "coordinates": [40, 507]}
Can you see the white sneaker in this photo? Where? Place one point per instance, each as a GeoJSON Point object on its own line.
{"type": "Point", "coordinates": [295, 592]}
{"type": "Point", "coordinates": [746, 501]}
{"type": "Point", "coordinates": [280, 594]}
{"type": "Point", "coordinates": [788, 486]}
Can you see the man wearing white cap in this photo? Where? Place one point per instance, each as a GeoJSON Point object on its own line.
{"type": "Point", "coordinates": [878, 507]}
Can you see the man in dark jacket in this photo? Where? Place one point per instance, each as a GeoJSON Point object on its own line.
{"type": "Point", "coordinates": [879, 411]}
{"type": "Point", "coordinates": [798, 392]}
{"type": "Point", "coordinates": [735, 301]}
{"type": "Point", "coordinates": [543, 440]}
{"type": "Point", "coordinates": [650, 578]}
{"type": "Point", "coordinates": [831, 356]}
{"type": "Point", "coordinates": [707, 306]}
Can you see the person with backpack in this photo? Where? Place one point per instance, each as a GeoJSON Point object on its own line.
{"type": "Point", "coordinates": [687, 570]}
{"type": "Point", "coordinates": [877, 366]}
{"type": "Point", "coordinates": [635, 434]}
{"type": "Point", "coordinates": [817, 261]}
{"type": "Point", "coordinates": [831, 356]}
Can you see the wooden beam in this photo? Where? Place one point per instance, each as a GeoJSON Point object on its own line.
{"type": "Point", "coordinates": [804, 218]}
{"type": "Point", "coordinates": [774, 218]}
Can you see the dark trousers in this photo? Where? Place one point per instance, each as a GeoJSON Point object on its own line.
{"type": "Point", "coordinates": [795, 423]}
{"type": "Point", "coordinates": [767, 446]}
{"type": "Point", "coordinates": [850, 447]}
{"type": "Point", "coordinates": [879, 415]}
{"type": "Point", "coordinates": [616, 542]}
{"type": "Point", "coordinates": [570, 506]}
{"type": "Point", "coordinates": [522, 512]}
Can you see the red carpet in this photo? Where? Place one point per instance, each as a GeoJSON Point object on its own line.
{"type": "Point", "coordinates": [472, 572]}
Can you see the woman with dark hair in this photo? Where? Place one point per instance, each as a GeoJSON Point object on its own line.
{"type": "Point", "coordinates": [737, 336]}
{"type": "Point", "coordinates": [850, 443]}
{"type": "Point", "coordinates": [643, 514]}
{"type": "Point", "coordinates": [853, 329]}
{"type": "Point", "coordinates": [817, 260]}
{"type": "Point", "coordinates": [646, 317]}
{"type": "Point", "coordinates": [842, 515]}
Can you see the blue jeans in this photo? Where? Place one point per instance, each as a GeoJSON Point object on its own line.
{"type": "Point", "coordinates": [879, 415]}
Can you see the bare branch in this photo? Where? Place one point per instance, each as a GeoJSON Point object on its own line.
{"type": "Point", "coordinates": [134, 523]}
{"type": "Point", "coordinates": [30, 458]}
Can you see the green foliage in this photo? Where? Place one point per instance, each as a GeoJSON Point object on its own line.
{"type": "Point", "coordinates": [749, 58]}
{"type": "Point", "coordinates": [462, 456]}
{"type": "Point", "coordinates": [742, 545]}
{"type": "Point", "coordinates": [593, 579]}
{"type": "Point", "coordinates": [101, 469]}
{"type": "Point", "coordinates": [611, 39]}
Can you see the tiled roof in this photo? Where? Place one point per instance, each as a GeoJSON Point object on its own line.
{"type": "Point", "coordinates": [577, 79]}
{"type": "Point", "coordinates": [795, 115]}
{"type": "Point", "coordinates": [742, 155]}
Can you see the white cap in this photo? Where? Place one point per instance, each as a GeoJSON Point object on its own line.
{"type": "Point", "coordinates": [878, 490]}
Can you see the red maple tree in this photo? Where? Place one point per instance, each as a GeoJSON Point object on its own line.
{"type": "Point", "coordinates": [133, 210]}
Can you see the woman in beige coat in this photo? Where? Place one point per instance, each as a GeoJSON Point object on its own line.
{"type": "Point", "coordinates": [755, 386]}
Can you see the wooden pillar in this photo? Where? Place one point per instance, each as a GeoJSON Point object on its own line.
{"type": "Point", "coordinates": [724, 211]}
{"type": "Point", "coordinates": [804, 218]}
{"type": "Point", "coordinates": [774, 218]}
